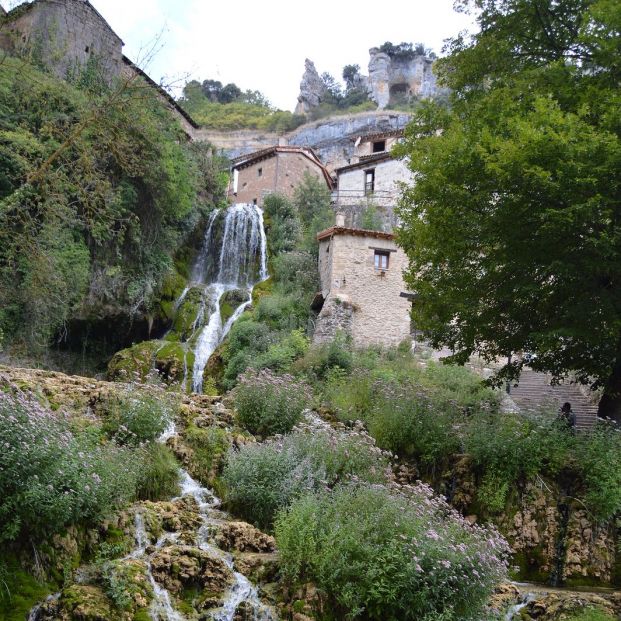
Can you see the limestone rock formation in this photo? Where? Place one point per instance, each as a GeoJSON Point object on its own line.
{"type": "Point", "coordinates": [312, 89]}
{"type": "Point", "coordinates": [392, 79]}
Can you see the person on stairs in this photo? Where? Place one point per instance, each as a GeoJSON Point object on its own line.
{"type": "Point", "coordinates": [567, 416]}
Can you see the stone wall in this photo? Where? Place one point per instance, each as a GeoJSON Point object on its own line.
{"type": "Point", "coordinates": [351, 200]}
{"type": "Point", "coordinates": [352, 286]}
{"type": "Point", "coordinates": [63, 35]}
{"type": "Point", "coordinates": [280, 173]}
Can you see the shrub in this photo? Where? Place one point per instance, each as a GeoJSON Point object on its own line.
{"type": "Point", "coordinates": [267, 404]}
{"type": "Point", "coordinates": [208, 447]}
{"type": "Point", "coordinates": [598, 455]}
{"type": "Point", "coordinates": [159, 475]}
{"type": "Point", "coordinates": [410, 422]}
{"type": "Point", "coordinates": [134, 418]}
{"type": "Point", "coordinates": [281, 355]}
{"type": "Point", "coordinates": [51, 477]}
{"type": "Point", "coordinates": [383, 555]}
{"type": "Point", "coordinates": [263, 478]}
{"type": "Point", "coordinates": [510, 447]}
{"type": "Point", "coordinates": [321, 359]}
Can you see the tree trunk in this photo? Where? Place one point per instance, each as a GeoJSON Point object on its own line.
{"type": "Point", "coordinates": [610, 403]}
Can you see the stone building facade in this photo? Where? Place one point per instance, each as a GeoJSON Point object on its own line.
{"type": "Point", "coordinates": [278, 169]}
{"type": "Point", "coordinates": [362, 289]}
{"type": "Point", "coordinates": [64, 35]}
{"type": "Point", "coordinates": [373, 179]}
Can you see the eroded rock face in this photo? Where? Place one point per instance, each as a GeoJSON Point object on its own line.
{"type": "Point", "coordinates": [312, 89]}
{"type": "Point", "coordinates": [392, 79]}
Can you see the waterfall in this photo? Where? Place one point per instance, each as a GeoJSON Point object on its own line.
{"type": "Point", "coordinates": [233, 256]}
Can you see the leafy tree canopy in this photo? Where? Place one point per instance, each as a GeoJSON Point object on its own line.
{"type": "Point", "coordinates": [513, 226]}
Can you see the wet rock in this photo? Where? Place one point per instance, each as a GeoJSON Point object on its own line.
{"type": "Point", "coordinates": [504, 595]}
{"type": "Point", "coordinates": [185, 567]}
{"type": "Point", "coordinates": [243, 537]}
{"type": "Point", "coordinates": [558, 606]}
{"type": "Point", "coordinates": [244, 612]}
{"type": "Point", "coordinates": [80, 603]}
{"type": "Point", "coordinates": [260, 568]}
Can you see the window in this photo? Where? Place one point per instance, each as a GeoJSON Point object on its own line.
{"type": "Point", "coordinates": [379, 146]}
{"type": "Point", "coordinates": [369, 182]}
{"type": "Point", "coordinates": [260, 172]}
{"type": "Point", "coordinates": [381, 259]}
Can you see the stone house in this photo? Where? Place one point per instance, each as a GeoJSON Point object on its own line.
{"type": "Point", "coordinates": [66, 35]}
{"type": "Point", "coordinates": [277, 169]}
{"type": "Point", "coordinates": [372, 179]}
{"type": "Point", "coordinates": [362, 293]}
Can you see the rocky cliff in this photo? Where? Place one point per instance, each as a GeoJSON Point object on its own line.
{"type": "Point", "coordinates": [332, 138]}
{"type": "Point", "coordinates": [395, 80]}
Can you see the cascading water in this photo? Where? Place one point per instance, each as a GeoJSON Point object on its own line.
{"type": "Point", "coordinates": [233, 257]}
{"type": "Point", "coordinates": [242, 590]}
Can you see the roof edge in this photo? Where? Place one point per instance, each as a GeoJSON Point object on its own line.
{"type": "Point", "coordinates": [344, 230]}
{"type": "Point", "coordinates": [169, 98]}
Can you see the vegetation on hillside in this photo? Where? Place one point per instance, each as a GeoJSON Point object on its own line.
{"type": "Point", "coordinates": [98, 190]}
{"type": "Point", "coordinates": [216, 106]}
{"type": "Point", "coordinates": [512, 227]}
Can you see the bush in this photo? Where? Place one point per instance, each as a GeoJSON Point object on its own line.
{"type": "Point", "coordinates": [267, 404]}
{"type": "Point", "coordinates": [321, 359]}
{"type": "Point", "coordinates": [135, 418]}
{"type": "Point", "coordinates": [281, 355]}
{"type": "Point", "coordinates": [599, 454]}
{"type": "Point", "coordinates": [262, 478]}
{"type": "Point", "coordinates": [409, 422]}
{"type": "Point", "coordinates": [51, 477]}
{"type": "Point", "coordinates": [208, 449]}
{"type": "Point", "coordinates": [382, 555]}
{"type": "Point", "coordinates": [512, 447]}
{"type": "Point", "coordinates": [159, 475]}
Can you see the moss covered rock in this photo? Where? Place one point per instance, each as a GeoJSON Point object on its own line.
{"type": "Point", "coordinates": [181, 567]}
{"type": "Point", "coordinates": [191, 313]}
{"type": "Point", "coordinates": [133, 363]}
{"type": "Point", "coordinates": [169, 359]}
{"type": "Point", "coordinates": [231, 301]}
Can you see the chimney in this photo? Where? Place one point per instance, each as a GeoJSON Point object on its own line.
{"type": "Point", "coordinates": [340, 219]}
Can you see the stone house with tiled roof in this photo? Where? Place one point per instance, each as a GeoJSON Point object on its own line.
{"type": "Point", "coordinates": [363, 293]}
{"type": "Point", "coordinates": [277, 169]}
{"type": "Point", "coordinates": [373, 178]}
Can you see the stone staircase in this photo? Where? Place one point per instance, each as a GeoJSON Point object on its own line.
{"type": "Point", "coordinates": [534, 390]}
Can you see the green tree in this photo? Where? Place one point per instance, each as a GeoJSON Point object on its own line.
{"type": "Point", "coordinates": [312, 200]}
{"type": "Point", "coordinates": [513, 228]}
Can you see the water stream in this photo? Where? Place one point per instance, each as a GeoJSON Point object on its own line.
{"type": "Point", "coordinates": [233, 258]}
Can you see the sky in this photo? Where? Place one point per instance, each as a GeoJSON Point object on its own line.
{"type": "Point", "coordinates": [262, 45]}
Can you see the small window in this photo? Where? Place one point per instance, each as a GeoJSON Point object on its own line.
{"type": "Point", "coordinates": [369, 182]}
{"type": "Point", "coordinates": [260, 172]}
{"type": "Point", "coordinates": [381, 259]}
{"type": "Point", "coordinates": [254, 201]}
{"type": "Point", "coordinates": [87, 49]}
{"type": "Point", "coordinates": [379, 146]}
